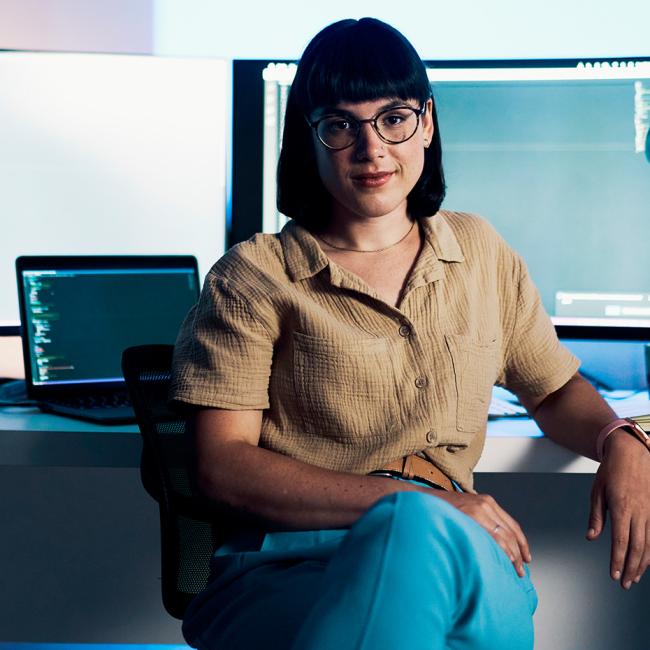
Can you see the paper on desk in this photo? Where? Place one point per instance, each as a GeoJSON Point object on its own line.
{"type": "Point", "coordinates": [636, 406]}
{"type": "Point", "coordinates": [643, 421]}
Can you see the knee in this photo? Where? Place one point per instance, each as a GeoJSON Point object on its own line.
{"type": "Point", "coordinates": [416, 518]}
{"type": "Point", "coordinates": [418, 534]}
{"type": "Point", "coordinates": [416, 509]}
{"type": "Point", "coordinates": [423, 526]}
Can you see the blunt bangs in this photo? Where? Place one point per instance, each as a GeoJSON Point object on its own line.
{"type": "Point", "coordinates": [358, 61]}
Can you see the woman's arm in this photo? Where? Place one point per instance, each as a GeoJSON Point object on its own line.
{"type": "Point", "coordinates": [287, 494]}
{"type": "Point", "coordinates": [572, 416]}
{"type": "Point", "coordinates": [284, 493]}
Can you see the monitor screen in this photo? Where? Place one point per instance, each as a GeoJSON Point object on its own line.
{"type": "Point", "coordinates": [555, 154]}
{"type": "Point", "coordinates": [81, 313]}
{"type": "Point", "coordinates": [110, 154]}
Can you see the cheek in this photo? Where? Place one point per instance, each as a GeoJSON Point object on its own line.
{"type": "Point", "coordinates": [417, 158]}
{"type": "Point", "coordinates": [416, 165]}
{"type": "Point", "coordinates": [329, 171]}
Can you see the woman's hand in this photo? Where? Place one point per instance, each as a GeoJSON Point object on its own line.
{"type": "Point", "coordinates": [622, 486]}
{"type": "Point", "coordinates": [499, 524]}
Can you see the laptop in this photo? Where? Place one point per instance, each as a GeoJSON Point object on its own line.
{"type": "Point", "coordinates": [78, 313]}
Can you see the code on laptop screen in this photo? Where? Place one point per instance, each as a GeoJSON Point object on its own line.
{"type": "Point", "coordinates": [80, 321]}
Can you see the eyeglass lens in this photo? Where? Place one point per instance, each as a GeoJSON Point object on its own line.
{"type": "Point", "coordinates": [393, 126]}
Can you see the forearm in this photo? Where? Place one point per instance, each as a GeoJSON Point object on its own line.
{"type": "Point", "coordinates": [283, 493]}
{"type": "Point", "coordinates": [287, 494]}
{"type": "Point", "coordinates": [573, 415]}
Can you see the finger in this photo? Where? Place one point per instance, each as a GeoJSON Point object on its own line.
{"type": "Point", "coordinates": [635, 553]}
{"type": "Point", "coordinates": [506, 538]}
{"type": "Point", "coordinates": [504, 518]}
{"type": "Point", "coordinates": [620, 539]}
{"type": "Point", "coordinates": [597, 513]}
{"type": "Point", "coordinates": [522, 540]}
{"type": "Point", "coordinates": [645, 562]}
{"type": "Point", "coordinates": [495, 520]}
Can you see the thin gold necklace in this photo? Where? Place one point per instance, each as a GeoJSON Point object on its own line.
{"type": "Point", "coordinates": [376, 250]}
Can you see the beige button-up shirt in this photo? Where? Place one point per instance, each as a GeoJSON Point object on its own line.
{"type": "Point", "coordinates": [348, 382]}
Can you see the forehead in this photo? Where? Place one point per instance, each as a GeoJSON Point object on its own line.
{"type": "Point", "coordinates": [363, 109]}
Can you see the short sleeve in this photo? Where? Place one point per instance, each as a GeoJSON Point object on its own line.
{"type": "Point", "coordinates": [223, 353]}
{"type": "Point", "coordinates": [536, 363]}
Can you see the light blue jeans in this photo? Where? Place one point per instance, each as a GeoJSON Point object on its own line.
{"type": "Point", "coordinates": [413, 572]}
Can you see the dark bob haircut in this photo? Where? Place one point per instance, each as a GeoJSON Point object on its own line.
{"type": "Point", "coordinates": [351, 61]}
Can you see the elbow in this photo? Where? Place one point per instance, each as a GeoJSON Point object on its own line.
{"type": "Point", "coordinates": [219, 477]}
{"type": "Point", "coordinates": [211, 480]}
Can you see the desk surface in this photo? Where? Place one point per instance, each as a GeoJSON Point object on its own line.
{"type": "Point", "coordinates": [31, 438]}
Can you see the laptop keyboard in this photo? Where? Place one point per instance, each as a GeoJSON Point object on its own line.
{"type": "Point", "coordinates": [100, 401]}
{"type": "Point", "coordinates": [501, 408]}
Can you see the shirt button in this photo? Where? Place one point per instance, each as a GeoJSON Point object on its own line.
{"type": "Point", "coordinates": [431, 436]}
{"type": "Point", "coordinates": [404, 331]}
{"type": "Point", "coordinates": [421, 382]}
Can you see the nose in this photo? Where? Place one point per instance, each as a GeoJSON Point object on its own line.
{"type": "Point", "coordinates": [369, 145]}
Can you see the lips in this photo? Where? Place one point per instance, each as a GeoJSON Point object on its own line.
{"type": "Point", "coordinates": [375, 179]}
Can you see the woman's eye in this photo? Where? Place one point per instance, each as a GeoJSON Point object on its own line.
{"type": "Point", "coordinates": [393, 119]}
{"type": "Point", "coordinates": [337, 125]}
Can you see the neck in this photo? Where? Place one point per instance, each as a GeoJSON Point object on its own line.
{"type": "Point", "coordinates": [367, 234]}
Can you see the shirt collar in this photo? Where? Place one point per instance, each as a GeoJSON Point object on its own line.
{"type": "Point", "coordinates": [440, 236]}
{"type": "Point", "coordinates": [304, 257]}
{"type": "Point", "coordinates": [302, 253]}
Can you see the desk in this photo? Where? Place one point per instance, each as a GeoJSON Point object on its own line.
{"type": "Point", "coordinates": [31, 438]}
{"type": "Point", "coordinates": [83, 541]}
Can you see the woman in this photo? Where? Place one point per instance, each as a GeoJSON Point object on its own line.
{"type": "Point", "coordinates": [341, 372]}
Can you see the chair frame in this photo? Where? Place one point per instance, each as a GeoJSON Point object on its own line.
{"type": "Point", "coordinates": [190, 526]}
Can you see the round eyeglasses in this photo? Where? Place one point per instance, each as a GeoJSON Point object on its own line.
{"type": "Point", "coordinates": [393, 125]}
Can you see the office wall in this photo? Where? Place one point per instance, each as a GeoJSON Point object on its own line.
{"type": "Point", "coordinates": [77, 25]}
{"type": "Point", "coordinates": [11, 360]}
{"type": "Point", "coordinates": [129, 158]}
{"type": "Point", "coordinates": [118, 26]}
{"type": "Point", "coordinates": [462, 29]}
{"type": "Point", "coordinates": [106, 154]}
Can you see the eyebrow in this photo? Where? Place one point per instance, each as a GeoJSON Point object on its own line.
{"type": "Point", "coordinates": [333, 110]}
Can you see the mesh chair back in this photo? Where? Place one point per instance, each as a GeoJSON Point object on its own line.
{"type": "Point", "coordinates": [188, 529]}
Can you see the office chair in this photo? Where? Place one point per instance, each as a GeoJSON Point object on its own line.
{"type": "Point", "coordinates": [189, 532]}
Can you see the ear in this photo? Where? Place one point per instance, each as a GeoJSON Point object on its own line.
{"type": "Point", "coordinates": [427, 122]}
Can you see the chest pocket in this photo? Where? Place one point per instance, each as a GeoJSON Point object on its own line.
{"type": "Point", "coordinates": [345, 389]}
{"type": "Point", "coordinates": [475, 366]}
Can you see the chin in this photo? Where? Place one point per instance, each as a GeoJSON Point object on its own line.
{"type": "Point", "coordinates": [376, 212]}
{"type": "Point", "coordinates": [372, 209]}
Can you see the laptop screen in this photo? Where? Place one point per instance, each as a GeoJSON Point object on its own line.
{"type": "Point", "coordinates": [80, 313]}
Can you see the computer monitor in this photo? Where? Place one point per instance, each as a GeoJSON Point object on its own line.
{"type": "Point", "coordinates": [553, 153]}
{"type": "Point", "coordinates": [80, 312]}
{"type": "Point", "coordinates": [110, 154]}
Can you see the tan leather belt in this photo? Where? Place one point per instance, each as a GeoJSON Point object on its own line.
{"type": "Point", "coordinates": [415, 467]}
